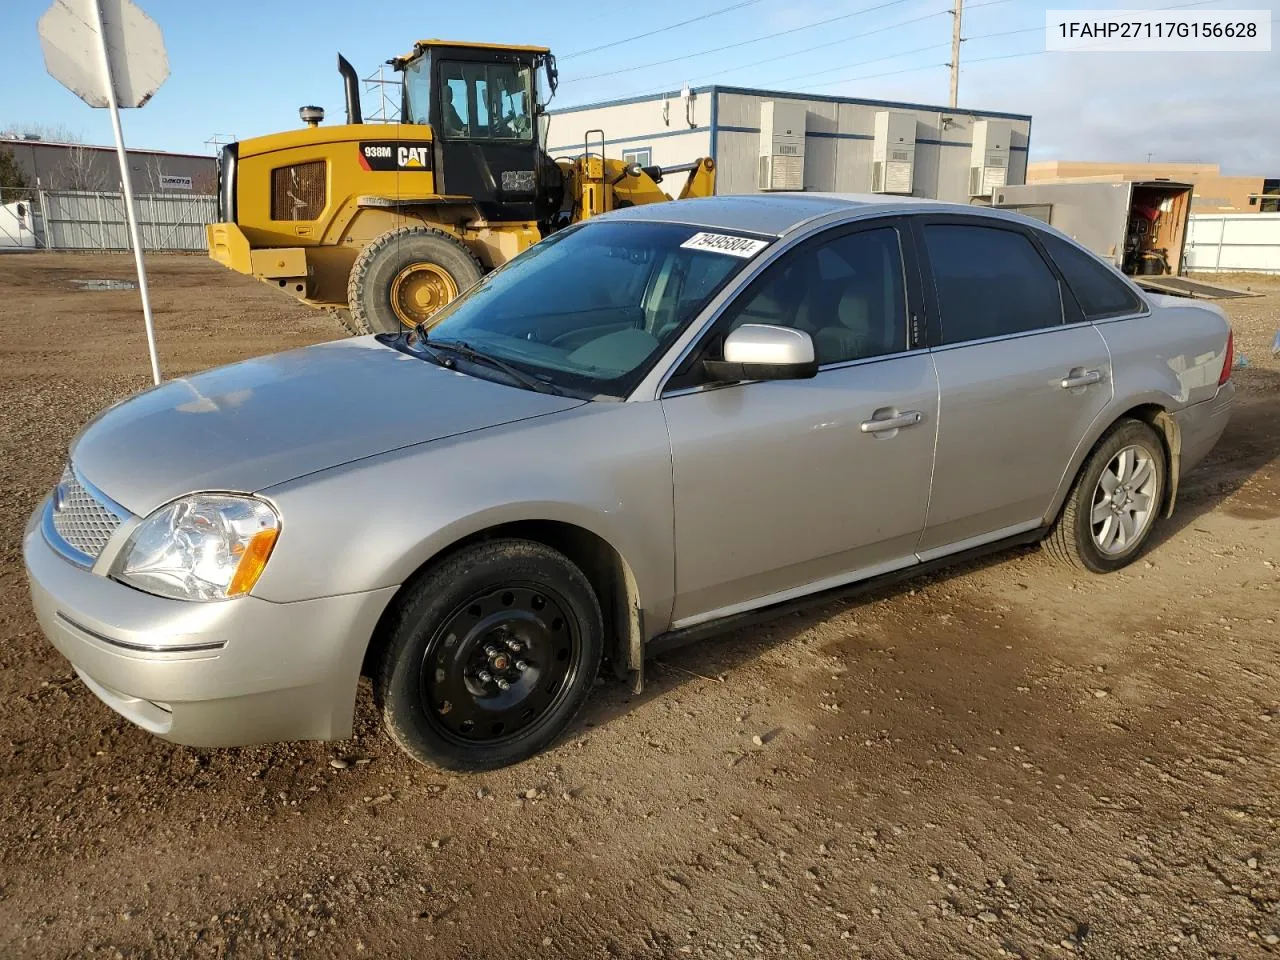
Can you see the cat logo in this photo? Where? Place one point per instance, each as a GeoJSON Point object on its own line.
{"type": "Point", "coordinates": [414, 158]}
{"type": "Point", "coordinates": [392, 155]}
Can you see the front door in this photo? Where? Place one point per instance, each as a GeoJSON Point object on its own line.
{"type": "Point", "coordinates": [1022, 379]}
{"type": "Point", "coordinates": [786, 487]}
{"type": "Point", "coordinates": [485, 138]}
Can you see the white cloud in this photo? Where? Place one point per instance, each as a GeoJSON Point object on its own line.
{"type": "Point", "coordinates": [1207, 107]}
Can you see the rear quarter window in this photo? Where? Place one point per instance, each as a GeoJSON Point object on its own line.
{"type": "Point", "coordinates": [1099, 292]}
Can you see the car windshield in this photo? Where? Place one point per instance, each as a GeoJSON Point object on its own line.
{"type": "Point", "coordinates": [591, 309]}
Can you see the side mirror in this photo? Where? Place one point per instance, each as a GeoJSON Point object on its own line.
{"type": "Point", "coordinates": [761, 351]}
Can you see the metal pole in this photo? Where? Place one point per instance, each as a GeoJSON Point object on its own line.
{"type": "Point", "coordinates": [127, 185]}
{"type": "Point", "coordinates": [44, 216]}
{"type": "Point", "coordinates": [102, 223]}
{"type": "Point", "coordinates": [955, 52]}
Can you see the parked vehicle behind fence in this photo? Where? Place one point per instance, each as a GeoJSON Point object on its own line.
{"type": "Point", "coordinates": [642, 429]}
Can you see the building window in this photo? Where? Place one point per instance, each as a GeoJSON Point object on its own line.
{"type": "Point", "coordinates": [1253, 201]}
{"type": "Point", "coordinates": [640, 155]}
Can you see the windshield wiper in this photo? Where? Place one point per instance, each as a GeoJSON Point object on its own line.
{"type": "Point", "coordinates": [471, 354]}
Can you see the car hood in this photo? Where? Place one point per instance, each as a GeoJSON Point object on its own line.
{"type": "Point", "coordinates": [264, 421]}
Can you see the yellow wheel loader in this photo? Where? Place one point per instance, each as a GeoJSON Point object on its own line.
{"type": "Point", "coordinates": [386, 223]}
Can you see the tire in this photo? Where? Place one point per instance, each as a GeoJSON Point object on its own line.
{"type": "Point", "coordinates": [502, 610]}
{"type": "Point", "coordinates": [443, 265]}
{"type": "Point", "coordinates": [1077, 540]}
{"type": "Point", "coordinates": [343, 316]}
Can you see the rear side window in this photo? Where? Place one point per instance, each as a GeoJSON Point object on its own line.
{"type": "Point", "coordinates": [990, 282]}
{"type": "Point", "coordinates": [1099, 292]}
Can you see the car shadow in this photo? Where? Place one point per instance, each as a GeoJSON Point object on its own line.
{"type": "Point", "coordinates": [1250, 442]}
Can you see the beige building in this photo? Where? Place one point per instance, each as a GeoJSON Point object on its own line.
{"type": "Point", "coordinates": [1213, 192]}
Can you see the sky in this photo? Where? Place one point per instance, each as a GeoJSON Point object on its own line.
{"type": "Point", "coordinates": [242, 68]}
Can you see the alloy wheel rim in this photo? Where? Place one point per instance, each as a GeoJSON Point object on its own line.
{"type": "Point", "coordinates": [419, 290]}
{"type": "Point", "coordinates": [1124, 500]}
{"type": "Point", "coordinates": [500, 664]}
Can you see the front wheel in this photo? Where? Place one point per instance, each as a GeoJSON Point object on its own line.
{"type": "Point", "coordinates": [404, 276]}
{"type": "Point", "coordinates": [491, 656]}
{"type": "Point", "coordinates": [1114, 503]}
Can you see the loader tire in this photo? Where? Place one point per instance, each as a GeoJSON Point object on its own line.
{"type": "Point", "coordinates": [406, 275]}
{"type": "Point", "coordinates": [343, 316]}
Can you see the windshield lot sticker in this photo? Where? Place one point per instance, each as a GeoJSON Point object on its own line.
{"type": "Point", "coordinates": [725, 243]}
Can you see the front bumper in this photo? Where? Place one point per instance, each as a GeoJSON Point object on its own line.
{"type": "Point", "coordinates": [229, 247]}
{"type": "Point", "coordinates": [218, 674]}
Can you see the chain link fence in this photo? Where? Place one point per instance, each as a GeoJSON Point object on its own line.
{"type": "Point", "coordinates": [81, 221]}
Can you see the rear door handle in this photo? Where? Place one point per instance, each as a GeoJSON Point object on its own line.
{"type": "Point", "coordinates": [1082, 379]}
{"type": "Point", "coordinates": [908, 418]}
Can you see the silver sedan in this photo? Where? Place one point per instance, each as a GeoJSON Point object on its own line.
{"type": "Point", "coordinates": [646, 427]}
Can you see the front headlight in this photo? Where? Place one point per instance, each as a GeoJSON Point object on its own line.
{"type": "Point", "coordinates": [210, 546]}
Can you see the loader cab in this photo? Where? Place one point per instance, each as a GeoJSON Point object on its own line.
{"type": "Point", "coordinates": [482, 104]}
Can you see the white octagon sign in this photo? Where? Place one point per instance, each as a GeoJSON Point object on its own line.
{"type": "Point", "coordinates": [135, 48]}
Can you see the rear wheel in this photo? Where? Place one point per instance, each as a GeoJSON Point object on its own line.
{"type": "Point", "coordinates": [1114, 503]}
{"type": "Point", "coordinates": [404, 276]}
{"type": "Point", "coordinates": [491, 656]}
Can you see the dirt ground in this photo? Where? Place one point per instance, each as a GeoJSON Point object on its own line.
{"type": "Point", "coordinates": [1004, 760]}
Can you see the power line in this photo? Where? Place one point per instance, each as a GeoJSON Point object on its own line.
{"type": "Point", "coordinates": [863, 63]}
{"type": "Point", "coordinates": [744, 43]}
{"type": "Point", "coordinates": [651, 33]}
{"type": "Point", "coordinates": [892, 56]}
{"type": "Point", "coordinates": [794, 53]}
{"type": "Point", "coordinates": [984, 36]}
{"type": "Point", "coordinates": [905, 53]}
{"type": "Point", "coordinates": [832, 43]}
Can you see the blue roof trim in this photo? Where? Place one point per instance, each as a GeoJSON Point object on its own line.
{"type": "Point", "coordinates": [830, 135]}
{"type": "Point", "coordinates": [822, 98]}
{"type": "Point", "coordinates": [794, 95]}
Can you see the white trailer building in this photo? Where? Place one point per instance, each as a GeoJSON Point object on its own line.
{"type": "Point", "coordinates": [766, 140]}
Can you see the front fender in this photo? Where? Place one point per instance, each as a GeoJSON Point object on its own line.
{"type": "Point", "coordinates": [604, 467]}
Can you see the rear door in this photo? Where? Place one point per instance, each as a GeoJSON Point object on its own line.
{"type": "Point", "coordinates": [1022, 377]}
{"type": "Point", "coordinates": [789, 486]}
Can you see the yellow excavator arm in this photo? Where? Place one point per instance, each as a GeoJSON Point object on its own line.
{"type": "Point", "coordinates": [598, 185]}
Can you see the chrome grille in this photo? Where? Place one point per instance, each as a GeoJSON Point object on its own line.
{"type": "Point", "coordinates": [79, 518]}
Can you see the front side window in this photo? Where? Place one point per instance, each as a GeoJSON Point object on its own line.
{"type": "Point", "coordinates": [1099, 292]}
{"type": "Point", "coordinates": [417, 91]}
{"type": "Point", "coordinates": [990, 282]}
{"type": "Point", "coordinates": [486, 101]}
{"type": "Point", "coordinates": [590, 309]}
{"type": "Point", "coordinates": [847, 293]}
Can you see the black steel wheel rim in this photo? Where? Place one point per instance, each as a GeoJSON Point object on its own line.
{"type": "Point", "coordinates": [500, 664]}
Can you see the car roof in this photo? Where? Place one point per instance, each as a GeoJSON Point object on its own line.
{"type": "Point", "coordinates": [774, 214]}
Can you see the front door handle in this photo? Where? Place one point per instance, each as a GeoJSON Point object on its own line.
{"type": "Point", "coordinates": [908, 418]}
{"type": "Point", "coordinates": [1081, 378]}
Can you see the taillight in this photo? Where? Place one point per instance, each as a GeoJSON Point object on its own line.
{"type": "Point", "coordinates": [1229, 359]}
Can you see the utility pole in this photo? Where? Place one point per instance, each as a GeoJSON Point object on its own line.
{"type": "Point", "coordinates": [955, 52]}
